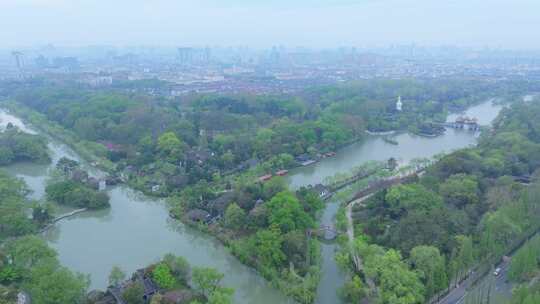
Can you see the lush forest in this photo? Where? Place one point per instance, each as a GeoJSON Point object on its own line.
{"type": "Point", "coordinates": [265, 226]}
{"type": "Point", "coordinates": [463, 214]}
{"type": "Point", "coordinates": [207, 152]}
{"type": "Point", "coordinates": [203, 137]}
{"type": "Point", "coordinates": [16, 146]}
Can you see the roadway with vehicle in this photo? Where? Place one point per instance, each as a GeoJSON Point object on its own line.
{"type": "Point", "coordinates": [500, 286]}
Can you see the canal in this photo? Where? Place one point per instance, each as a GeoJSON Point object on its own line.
{"type": "Point", "coordinates": [137, 230]}
{"type": "Point", "coordinates": [375, 148]}
{"type": "Point", "coordinates": [134, 232]}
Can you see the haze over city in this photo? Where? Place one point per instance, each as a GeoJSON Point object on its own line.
{"type": "Point", "coordinates": [313, 23]}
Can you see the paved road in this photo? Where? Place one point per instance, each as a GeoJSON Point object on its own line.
{"type": "Point", "coordinates": [500, 287]}
{"type": "Point", "coordinates": [350, 223]}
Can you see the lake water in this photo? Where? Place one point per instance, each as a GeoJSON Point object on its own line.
{"type": "Point", "coordinates": [137, 230]}
{"type": "Point", "coordinates": [375, 148]}
{"type": "Point", "coordinates": [409, 147]}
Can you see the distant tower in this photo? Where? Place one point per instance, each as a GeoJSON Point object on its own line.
{"type": "Point", "coordinates": [399, 104]}
{"type": "Point", "coordinates": [186, 55]}
{"type": "Point", "coordinates": [207, 54]}
{"type": "Point", "coordinates": [19, 59]}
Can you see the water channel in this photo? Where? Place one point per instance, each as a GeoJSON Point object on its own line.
{"type": "Point", "coordinates": [133, 233]}
{"type": "Point", "coordinates": [137, 230]}
{"type": "Point", "coordinates": [375, 148]}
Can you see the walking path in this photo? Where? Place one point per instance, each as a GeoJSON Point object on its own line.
{"type": "Point", "coordinates": [350, 232]}
{"type": "Point", "coordinates": [359, 198]}
{"type": "Point", "coordinates": [63, 216]}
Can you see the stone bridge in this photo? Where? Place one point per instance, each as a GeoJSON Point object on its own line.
{"type": "Point", "coordinates": [326, 232]}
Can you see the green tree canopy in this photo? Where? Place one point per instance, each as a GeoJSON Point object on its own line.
{"type": "Point", "coordinates": [235, 217]}
{"type": "Point", "coordinates": [206, 280]}
{"type": "Point", "coordinates": [411, 197]}
{"type": "Point", "coordinates": [285, 211]}
{"type": "Point", "coordinates": [163, 277]}
{"type": "Point", "coordinates": [116, 276]}
{"type": "Point", "coordinates": [267, 246]}
{"type": "Point", "coordinates": [179, 267]}
{"type": "Point", "coordinates": [170, 145]}
{"type": "Point", "coordinates": [397, 283]}
{"type": "Point", "coordinates": [52, 284]}
{"type": "Point", "coordinates": [430, 265]}
{"type": "Point", "coordinates": [460, 190]}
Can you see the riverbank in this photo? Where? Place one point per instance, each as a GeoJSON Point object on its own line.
{"type": "Point", "coordinates": [212, 230]}
{"type": "Point", "coordinates": [456, 168]}
{"type": "Point", "coordinates": [375, 148]}
{"type": "Point", "coordinates": [42, 124]}
{"type": "Point", "coordinates": [119, 225]}
{"type": "Point", "coordinates": [125, 235]}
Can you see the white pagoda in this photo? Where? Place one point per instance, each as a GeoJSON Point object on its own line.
{"type": "Point", "coordinates": [399, 104]}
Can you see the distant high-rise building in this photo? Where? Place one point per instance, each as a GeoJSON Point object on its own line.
{"type": "Point", "coordinates": [189, 56]}
{"type": "Point", "coordinates": [274, 55]}
{"type": "Point", "coordinates": [19, 59]}
{"type": "Point", "coordinates": [207, 54]}
{"type": "Point", "coordinates": [185, 54]}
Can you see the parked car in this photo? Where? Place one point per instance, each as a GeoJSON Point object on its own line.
{"type": "Point", "coordinates": [497, 271]}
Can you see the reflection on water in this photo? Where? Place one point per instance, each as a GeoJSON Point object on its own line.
{"type": "Point", "coordinates": [137, 230]}
{"type": "Point", "coordinates": [485, 113]}
{"type": "Point", "coordinates": [409, 147]}
{"type": "Point", "coordinates": [375, 148]}
{"type": "Point", "coordinates": [133, 233]}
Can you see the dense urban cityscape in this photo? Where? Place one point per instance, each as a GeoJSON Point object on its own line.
{"type": "Point", "coordinates": [185, 70]}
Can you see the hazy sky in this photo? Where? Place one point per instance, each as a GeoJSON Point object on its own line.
{"type": "Point", "coordinates": [262, 23]}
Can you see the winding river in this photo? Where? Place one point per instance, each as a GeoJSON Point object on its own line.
{"type": "Point", "coordinates": [133, 233]}
{"type": "Point", "coordinates": [137, 230]}
{"type": "Point", "coordinates": [375, 148]}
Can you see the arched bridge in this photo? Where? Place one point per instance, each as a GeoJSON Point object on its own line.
{"type": "Point", "coordinates": [326, 232]}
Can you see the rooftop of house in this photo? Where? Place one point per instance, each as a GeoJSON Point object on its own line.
{"type": "Point", "coordinates": [150, 287]}
{"type": "Point", "coordinates": [248, 164]}
{"type": "Point", "coordinates": [320, 188]}
{"type": "Point", "coordinates": [198, 215]}
{"type": "Point", "coordinates": [220, 204]}
{"type": "Point", "coordinates": [265, 177]}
